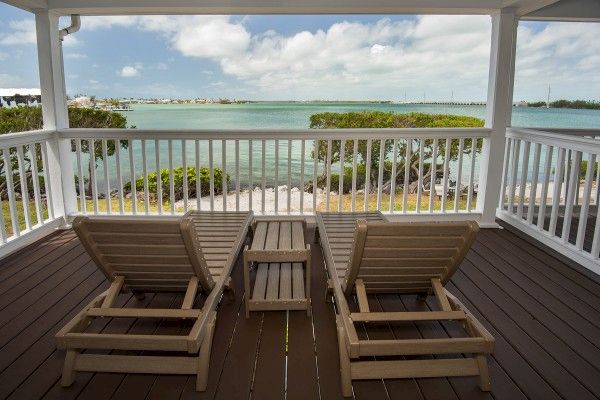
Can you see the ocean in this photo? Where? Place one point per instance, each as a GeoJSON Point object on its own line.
{"type": "Point", "coordinates": [292, 115]}
{"type": "Point", "coordinates": [296, 115]}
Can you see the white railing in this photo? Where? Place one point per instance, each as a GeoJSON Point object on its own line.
{"type": "Point", "coordinates": [25, 188]}
{"type": "Point", "coordinates": [550, 190]}
{"type": "Point", "coordinates": [276, 172]}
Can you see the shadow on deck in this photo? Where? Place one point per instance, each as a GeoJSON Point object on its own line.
{"type": "Point", "coordinates": [543, 311]}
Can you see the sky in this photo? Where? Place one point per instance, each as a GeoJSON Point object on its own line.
{"type": "Point", "coordinates": [334, 57]}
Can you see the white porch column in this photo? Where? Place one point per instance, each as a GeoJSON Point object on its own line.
{"type": "Point", "coordinates": [55, 114]}
{"type": "Point", "coordinates": [498, 112]}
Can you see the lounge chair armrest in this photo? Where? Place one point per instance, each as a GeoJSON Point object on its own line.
{"type": "Point", "coordinates": [408, 316]}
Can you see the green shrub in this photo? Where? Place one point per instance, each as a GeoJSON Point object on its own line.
{"type": "Point", "coordinates": [178, 182]}
{"type": "Point", "coordinates": [584, 169]}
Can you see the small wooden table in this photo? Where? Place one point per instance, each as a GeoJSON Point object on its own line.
{"type": "Point", "coordinates": [280, 250]}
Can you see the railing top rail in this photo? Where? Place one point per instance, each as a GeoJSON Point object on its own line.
{"type": "Point", "coordinates": [567, 131]}
{"type": "Point", "coordinates": [245, 134]}
{"type": "Point", "coordinates": [27, 137]}
{"type": "Point", "coordinates": [573, 142]}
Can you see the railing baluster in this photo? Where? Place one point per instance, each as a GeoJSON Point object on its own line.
{"type": "Point", "coordinates": [380, 173]}
{"type": "Point", "coordinates": [446, 173]}
{"type": "Point", "coordinates": [354, 165]}
{"type": "Point", "coordinates": [198, 175]}
{"type": "Point", "coordinates": [211, 175]}
{"type": "Point", "coordinates": [433, 175]}
{"type": "Point", "coordinates": [132, 178]}
{"type": "Point", "coordinates": [10, 188]}
{"type": "Point", "coordinates": [35, 176]}
{"type": "Point", "coordinates": [534, 182]}
{"type": "Point", "coordinates": [276, 176]}
{"type": "Point", "coordinates": [237, 175]}
{"type": "Point", "coordinates": [80, 179]}
{"type": "Point", "coordinates": [328, 176]}
{"type": "Point", "coordinates": [516, 151]}
{"type": "Point", "coordinates": [47, 185]}
{"type": "Point", "coordinates": [224, 172]}
{"type": "Point", "coordinates": [106, 179]}
{"type": "Point", "coordinates": [407, 162]}
{"type": "Point", "coordinates": [159, 201]}
{"type": "Point", "coordinates": [263, 178]}
{"type": "Point", "coordinates": [145, 177]}
{"type": "Point", "coordinates": [185, 175]}
{"type": "Point", "coordinates": [523, 181]}
{"type": "Point", "coordinates": [302, 160]}
{"type": "Point", "coordinates": [250, 176]}
{"type": "Point", "coordinates": [3, 233]}
{"type": "Point", "coordinates": [571, 195]}
{"type": "Point", "coordinates": [597, 190]}
{"type": "Point", "coordinates": [393, 176]}
{"type": "Point", "coordinates": [585, 206]}
{"type": "Point", "coordinates": [596, 239]}
{"type": "Point", "coordinates": [119, 175]}
{"type": "Point", "coordinates": [24, 188]}
{"type": "Point", "coordinates": [315, 165]}
{"type": "Point", "coordinates": [341, 177]}
{"type": "Point", "coordinates": [507, 154]}
{"type": "Point", "coordinates": [420, 178]}
{"type": "Point", "coordinates": [458, 188]}
{"type": "Point", "coordinates": [92, 148]}
{"type": "Point", "coordinates": [289, 177]}
{"type": "Point", "coordinates": [544, 195]}
{"type": "Point", "coordinates": [558, 178]}
{"type": "Point", "coordinates": [171, 178]}
{"type": "Point", "coordinates": [471, 174]}
{"type": "Point", "coordinates": [368, 176]}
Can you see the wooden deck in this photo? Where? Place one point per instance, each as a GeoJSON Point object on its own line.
{"type": "Point", "coordinates": [543, 312]}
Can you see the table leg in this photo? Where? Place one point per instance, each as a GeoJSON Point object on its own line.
{"type": "Point", "coordinates": [246, 266]}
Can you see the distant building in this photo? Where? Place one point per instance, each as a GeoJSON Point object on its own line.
{"type": "Point", "coordinates": [20, 96]}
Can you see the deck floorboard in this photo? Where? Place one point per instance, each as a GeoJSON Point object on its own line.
{"type": "Point", "coordinates": [543, 311]}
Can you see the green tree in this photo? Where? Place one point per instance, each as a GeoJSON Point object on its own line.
{"type": "Point", "coordinates": [380, 119]}
{"type": "Point", "coordinates": [27, 118]}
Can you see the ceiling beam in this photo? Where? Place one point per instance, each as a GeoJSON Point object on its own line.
{"type": "Point", "coordinates": [124, 7]}
{"type": "Point", "coordinates": [567, 10]}
{"type": "Point", "coordinates": [27, 5]}
{"type": "Point", "coordinates": [527, 6]}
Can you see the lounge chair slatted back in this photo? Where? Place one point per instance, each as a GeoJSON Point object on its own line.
{"type": "Point", "coordinates": [152, 254]}
{"type": "Point", "coordinates": [403, 257]}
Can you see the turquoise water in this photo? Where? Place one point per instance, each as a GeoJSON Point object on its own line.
{"type": "Point", "coordinates": [286, 115]}
{"type": "Point", "coordinates": [274, 115]}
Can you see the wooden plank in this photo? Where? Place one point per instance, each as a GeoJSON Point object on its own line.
{"type": "Point", "coordinates": [260, 282]}
{"type": "Point", "coordinates": [273, 282]}
{"type": "Point", "coordinates": [269, 378]}
{"type": "Point", "coordinates": [272, 239]}
{"type": "Point", "coordinates": [298, 281]}
{"type": "Point", "coordinates": [260, 234]}
{"type": "Point", "coordinates": [301, 358]}
{"type": "Point", "coordinates": [285, 279]}
{"type": "Point", "coordinates": [285, 235]}
{"type": "Point", "coordinates": [297, 235]}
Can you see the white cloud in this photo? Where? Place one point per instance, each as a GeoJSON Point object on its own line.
{"type": "Point", "coordinates": [162, 66]}
{"type": "Point", "coordinates": [377, 60]}
{"type": "Point", "coordinates": [20, 32]}
{"type": "Point", "coordinates": [128, 71]}
{"type": "Point", "coordinates": [75, 56]}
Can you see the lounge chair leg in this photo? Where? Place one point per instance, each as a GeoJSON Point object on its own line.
{"type": "Point", "coordinates": [68, 374]}
{"type": "Point", "coordinates": [484, 373]}
{"type": "Point", "coordinates": [204, 357]}
{"type": "Point", "coordinates": [346, 377]}
{"type": "Point", "coordinates": [230, 289]}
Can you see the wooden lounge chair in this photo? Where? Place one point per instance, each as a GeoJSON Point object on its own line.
{"type": "Point", "coordinates": [365, 253]}
{"type": "Point", "coordinates": [191, 254]}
